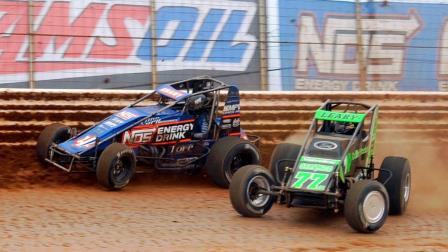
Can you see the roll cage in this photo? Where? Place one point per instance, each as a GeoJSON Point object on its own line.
{"type": "Point", "coordinates": [192, 87]}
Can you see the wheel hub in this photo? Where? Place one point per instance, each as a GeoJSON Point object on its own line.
{"type": "Point", "coordinates": [236, 164]}
{"type": "Point", "coordinates": [374, 207]}
{"type": "Point", "coordinates": [255, 185]}
{"type": "Point", "coordinates": [407, 188]}
{"type": "Point", "coordinates": [118, 169]}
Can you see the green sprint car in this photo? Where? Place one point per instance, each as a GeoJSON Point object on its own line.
{"type": "Point", "coordinates": [333, 169]}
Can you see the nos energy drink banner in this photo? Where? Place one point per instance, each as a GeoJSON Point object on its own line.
{"type": "Point", "coordinates": [107, 43]}
{"type": "Point", "coordinates": [406, 45]}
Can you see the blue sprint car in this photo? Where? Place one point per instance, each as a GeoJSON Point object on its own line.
{"type": "Point", "coordinates": [185, 125]}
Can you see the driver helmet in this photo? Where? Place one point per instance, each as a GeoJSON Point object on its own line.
{"type": "Point", "coordinates": [343, 128]}
{"type": "Point", "coordinates": [197, 102]}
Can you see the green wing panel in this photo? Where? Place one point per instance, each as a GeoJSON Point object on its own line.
{"type": "Point", "coordinates": [339, 116]}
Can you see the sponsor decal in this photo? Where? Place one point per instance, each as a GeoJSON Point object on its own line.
{"type": "Point", "coordinates": [174, 132]}
{"type": "Point", "coordinates": [152, 120]}
{"type": "Point", "coordinates": [126, 115]}
{"type": "Point", "coordinates": [236, 122]}
{"type": "Point", "coordinates": [98, 37]}
{"type": "Point", "coordinates": [226, 126]}
{"type": "Point", "coordinates": [178, 149]}
{"type": "Point", "coordinates": [125, 152]}
{"type": "Point", "coordinates": [357, 153]}
{"type": "Point", "coordinates": [319, 160]}
{"type": "Point", "coordinates": [85, 142]}
{"type": "Point", "coordinates": [231, 109]}
{"type": "Point", "coordinates": [137, 136]}
{"type": "Point", "coordinates": [339, 116]}
{"type": "Point", "coordinates": [325, 145]}
{"type": "Point", "coordinates": [111, 122]}
{"type": "Point", "coordinates": [316, 167]}
{"type": "Point", "coordinates": [353, 156]}
{"type": "Point", "coordinates": [172, 93]}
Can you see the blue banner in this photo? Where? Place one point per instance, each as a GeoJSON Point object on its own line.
{"type": "Point", "coordinates": [405, 45]}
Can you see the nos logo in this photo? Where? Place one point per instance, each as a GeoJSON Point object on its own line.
{"type": "Point", "coordinates": [135, 137]}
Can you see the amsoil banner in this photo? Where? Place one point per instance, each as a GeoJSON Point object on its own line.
{"type": "Point", "coordinates": [107, 43]}
{"type": "Point", "coordinates": [406, 45]}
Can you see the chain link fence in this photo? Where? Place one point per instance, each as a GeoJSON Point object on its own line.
{"type": "Point", "coordinates": [346, 45]}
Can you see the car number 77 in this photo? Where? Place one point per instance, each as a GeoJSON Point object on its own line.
{"type": "Point", "coordinates": [315, 180]}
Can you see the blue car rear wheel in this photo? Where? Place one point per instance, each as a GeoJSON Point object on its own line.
{"type": "Point", "coordinates": [116, 166]}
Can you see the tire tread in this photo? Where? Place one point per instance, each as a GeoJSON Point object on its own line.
{"type": "Point", "coordinates": [47, 137]}
{"type": "Point", "coordinates": [352, 205]}
{"type": "Point", "coordinates": [215, 164]}
{"type": "Point", "coordinates": [105, 161]}
{"type": "Point", "coordinates": [398, 166]}
{"type": "Point", "coordinates": [237, 190]}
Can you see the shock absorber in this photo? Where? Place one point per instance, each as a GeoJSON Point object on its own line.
{"type": "Point", "coordinates": [371, 169]}
{"type": "Point", "coordinates": [287, 173]}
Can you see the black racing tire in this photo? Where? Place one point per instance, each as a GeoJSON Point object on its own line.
{"type": "Point", "coordinates": [116, 166]}
{"type": "Point", "coordinates": [281, 152]}
{"type": "Point", "coordinates": [244, 187]}
{"type": "Point", "coordinates": [228, 155]}
{"type": "Point", "coordinates": [399, 184]}
{"type": "Point", "coordinates": [366, 206]}
{"type": "Point", "coordinates": [53, 133]}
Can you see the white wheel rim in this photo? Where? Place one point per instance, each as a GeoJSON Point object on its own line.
{"type": "Point", "coordinates": [260, 199]}
{"type": "Point", "coordinates": [374, 207]}
{"type": "Point", "coordinates": [407, 188]}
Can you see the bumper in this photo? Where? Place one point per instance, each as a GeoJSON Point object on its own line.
{"type": "Point", "coordinates": [307, 198]}
{"type": "Point", "coordinates": [293, 190]}
{"type": "Point", "coordinates": [55, 156]}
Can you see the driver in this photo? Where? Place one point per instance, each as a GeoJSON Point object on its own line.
{"type": "Point", "coordinates": [197, 106]}
{"type": "Point", "coordinates": [344, 128]}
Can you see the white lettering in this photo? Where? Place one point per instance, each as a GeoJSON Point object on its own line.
{"type": "Point", "coordinates": [231, 109]}
{"type": "Point", "coordinates": [335, 51]}
{"type": "Point", "coordinates": [137, 136]}
{"type": "Point", "coordinates": [341, 85]}
{"type": "Point", "coordinates": [173, 132]}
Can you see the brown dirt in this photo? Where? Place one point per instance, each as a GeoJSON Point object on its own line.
{"type": "Point", "coordinates": [428, 158]}
{"type": "Point", "coordinates": [46, 209]}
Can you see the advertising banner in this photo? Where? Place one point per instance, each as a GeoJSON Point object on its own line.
{"type": "Point", "coordinates": [405, 45]}
{"type": "Point", "coordinates": [107, 43]}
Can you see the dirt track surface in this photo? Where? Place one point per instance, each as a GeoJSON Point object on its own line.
{"type": "Point", "coordinates": [192, 216]}
{"type": "Point", "coordinates": [47, 209]}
